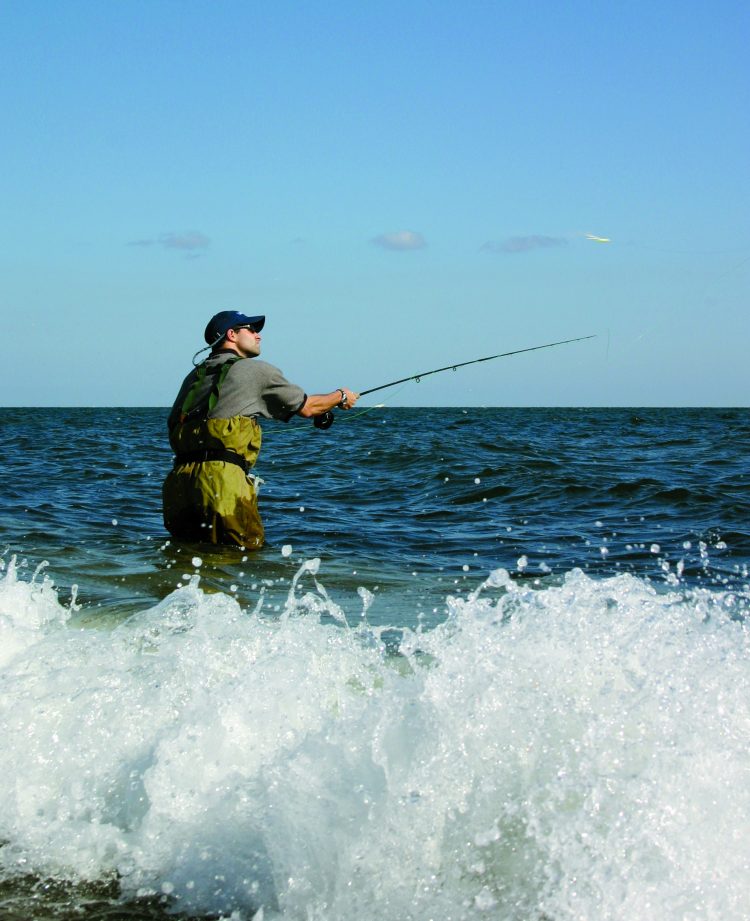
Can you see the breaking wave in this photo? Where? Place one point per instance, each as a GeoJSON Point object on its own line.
{"type": "Point", "coordinates": [575, 750]}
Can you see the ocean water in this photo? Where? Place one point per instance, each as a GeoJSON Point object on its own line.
{"type": "Point", "coordinates": [492, 663]}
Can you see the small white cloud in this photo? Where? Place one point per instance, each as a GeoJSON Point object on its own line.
{"type": "Point", "coordinates": [189, 240]}
{"type": "Point", "coordinates": [522, 244]}
{"type": "Point", "coordinates": [400, 240]}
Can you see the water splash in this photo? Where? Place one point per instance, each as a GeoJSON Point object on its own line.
{"type": "Point", "coordinates": [574, 751]}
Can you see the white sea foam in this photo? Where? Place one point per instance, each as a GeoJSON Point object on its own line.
{"type": "Point", "coordinates": [570, 752]}
{"type": "Point", "coordinates": [26, 609]}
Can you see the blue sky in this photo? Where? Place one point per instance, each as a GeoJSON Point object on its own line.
{"type": "Point", "coordinates": [396, 186]}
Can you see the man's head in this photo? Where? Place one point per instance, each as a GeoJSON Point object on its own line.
{"type": "Point", "coordinates": [232, 330]}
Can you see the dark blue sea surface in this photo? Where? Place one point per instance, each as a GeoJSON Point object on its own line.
{"type": "Point", "coordinates": [406, 499]}
{"type": "Point", "coordinates": [491, 663]}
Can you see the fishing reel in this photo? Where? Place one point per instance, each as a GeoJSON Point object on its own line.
{"type": "Point", "coordinates": [324, 420]}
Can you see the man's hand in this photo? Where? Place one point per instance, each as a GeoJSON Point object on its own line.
{"type": "Point", "coordinates": [348, 398]}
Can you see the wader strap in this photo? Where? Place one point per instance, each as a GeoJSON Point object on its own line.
{"type": "Point", "coordinates": [212, 454]}
{"type": "Point", "coordinates": [192, 393]}
{"type": "Point", "coordinates": [213, 397]}
{"type": "Point", "coordinates": [218, 374]}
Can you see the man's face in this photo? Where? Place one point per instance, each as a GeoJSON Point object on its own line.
{"type": "Point", "coordinates": [245, 340]}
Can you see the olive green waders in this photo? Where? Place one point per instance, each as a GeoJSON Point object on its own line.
{"type": "Point", "coordinates": [210, 495]}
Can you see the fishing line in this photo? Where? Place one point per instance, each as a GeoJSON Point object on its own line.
{"type": "Point", "coordinates": [363, 412]}
{"type": "Point", "coordinates": [732, 269]}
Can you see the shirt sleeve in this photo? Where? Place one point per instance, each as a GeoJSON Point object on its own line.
{"type": "Point", "coordinates": [282, 399]}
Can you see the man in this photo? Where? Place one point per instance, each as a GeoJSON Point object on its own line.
{"type": "Point", "coordinates": [210, 494]}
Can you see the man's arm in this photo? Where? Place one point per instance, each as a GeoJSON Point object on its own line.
{"type": "Point", "coordinates": [318, 403]}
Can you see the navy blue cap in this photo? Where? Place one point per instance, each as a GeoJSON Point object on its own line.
{"type": "Point", "coordinates": [228, 319]}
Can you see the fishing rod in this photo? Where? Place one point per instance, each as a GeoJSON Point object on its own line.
{"type": "Point", "coordinates": [325, 420]}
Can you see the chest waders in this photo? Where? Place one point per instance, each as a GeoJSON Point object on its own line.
{"type": "Point", "coordinates": [210, 495]}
